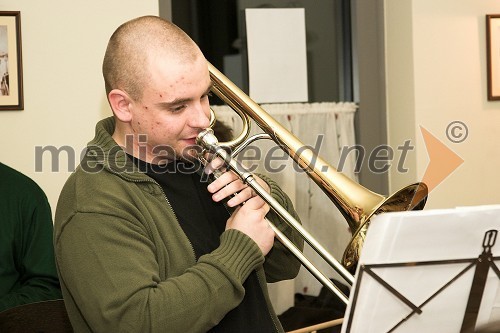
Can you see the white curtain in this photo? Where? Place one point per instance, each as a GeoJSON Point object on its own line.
{"type": "Point", "coordinates": [327, 127]}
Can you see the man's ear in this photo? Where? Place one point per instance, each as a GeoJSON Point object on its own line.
{"type": "Point", "coordinates": [120, 103]}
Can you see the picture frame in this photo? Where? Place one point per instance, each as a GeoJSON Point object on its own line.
{"type": "Point", "coordinates": [11, 73]}
{"type": "Point", "coordinates": [493, 56]}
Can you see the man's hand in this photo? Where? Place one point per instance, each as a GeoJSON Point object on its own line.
{"type": "Point", "coordinates": [229, 185]}
{"type": "Point", "coordinates": [250, 219]}
{"type": "Point", "coordinates": [249, 216]}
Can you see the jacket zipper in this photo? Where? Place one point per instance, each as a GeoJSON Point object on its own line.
{"type": "Point", "coordinates": [175, 215]}
{"type": "Point", "coordinates": [150, 180]}
{"type": "Point", "coordinates": [263, 285]}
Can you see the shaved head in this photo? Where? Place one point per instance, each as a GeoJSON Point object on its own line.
{"type": "Point", "coordinates": [135, 44]}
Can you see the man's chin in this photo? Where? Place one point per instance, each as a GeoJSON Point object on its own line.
{"type": "Point", "coordinates": [189, 158]}
{"type": "Point", "coordinates": [190, 153]}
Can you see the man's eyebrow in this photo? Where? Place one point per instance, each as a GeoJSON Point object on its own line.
{"type": "Point", "coordinates": [178, 101]}
{"type": "Point", "coordinates": [173, 103]}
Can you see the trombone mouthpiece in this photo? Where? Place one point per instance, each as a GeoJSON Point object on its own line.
{"type": "Point", "coordinates": [207, 139]}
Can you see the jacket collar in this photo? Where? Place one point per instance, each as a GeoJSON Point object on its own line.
{"type": "Point", "coordinates": [105, 152]}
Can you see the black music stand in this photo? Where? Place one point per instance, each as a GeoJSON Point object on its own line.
{"type": "Point", "coordinates": [39, 317]}
{"type": "Point", "coordinates": [428, 271]}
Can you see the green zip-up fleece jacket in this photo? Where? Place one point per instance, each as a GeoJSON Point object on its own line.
{"type": "Point", "coordinates": [125, 265]}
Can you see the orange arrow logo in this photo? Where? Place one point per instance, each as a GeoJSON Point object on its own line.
{"type": "Point", "coordinates": [442, 160]}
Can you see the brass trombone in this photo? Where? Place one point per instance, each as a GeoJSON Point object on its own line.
{"type": "Point", "coordinates": [356, 203]}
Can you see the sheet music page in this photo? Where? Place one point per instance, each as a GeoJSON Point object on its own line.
{"type": "Point", "coordinates": [432, 257]}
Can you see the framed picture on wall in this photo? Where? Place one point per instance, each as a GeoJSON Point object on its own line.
{"type": "Point", "coordinates": [493, 56]}
{"type": "Point", "coordinates": [11, 73]}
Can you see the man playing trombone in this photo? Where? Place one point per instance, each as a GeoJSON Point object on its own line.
{"type": "Point", "coordinates": [141, 245]}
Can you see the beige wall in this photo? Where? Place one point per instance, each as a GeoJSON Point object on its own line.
{"type": "Point", "coordinates": [63, 45]}
{"type": "Point", "coordinates": [436, 74]}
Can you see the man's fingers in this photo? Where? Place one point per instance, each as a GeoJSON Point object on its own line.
{"type": "Point", "coordinates": [241, 197]}
{"type": "Point", "coordinates": [256, 203]}
{"type": "Point", "coordinates": [215, 163]}
{"type": "Point", "coordinates": [224, 180]}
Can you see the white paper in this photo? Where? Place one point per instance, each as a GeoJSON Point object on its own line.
{"type": "Point", "coordinates": [277, 61]}
{"type": "Point", "coordinates": [424, 236]}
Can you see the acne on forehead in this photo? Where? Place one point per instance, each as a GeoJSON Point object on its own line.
{"type": "Point", "coordinates": [169, 73]}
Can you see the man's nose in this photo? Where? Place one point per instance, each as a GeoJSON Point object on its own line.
{"type": "Point", "coordinates": [200, 117]}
